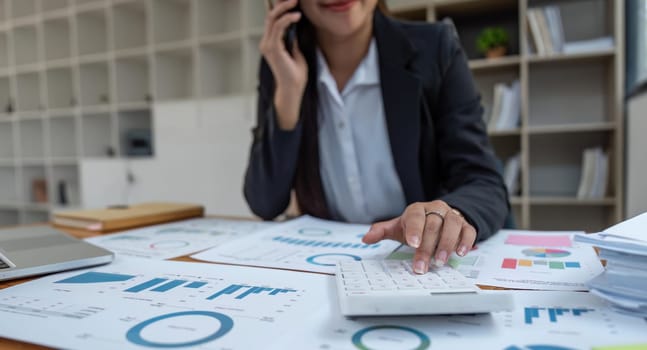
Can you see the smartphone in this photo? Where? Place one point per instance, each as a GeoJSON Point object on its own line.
{"type": "Point", "coordinates": [290, 32]}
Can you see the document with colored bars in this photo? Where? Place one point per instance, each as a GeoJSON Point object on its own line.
{"type": "Point", "coordinates": [145, 304]}
{"type": "Point", "coordinates": [305, 244]}
{"type": "Point", "coordinates": [540, 260]}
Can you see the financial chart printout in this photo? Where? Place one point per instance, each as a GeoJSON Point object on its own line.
{"type": "Point", "coordinates": [306, 244]}
{"type": "Point", "coordinates": [136, 303]}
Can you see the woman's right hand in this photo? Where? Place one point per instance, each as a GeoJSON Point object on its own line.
{"type": "Point", "coordinates": [290, 69]}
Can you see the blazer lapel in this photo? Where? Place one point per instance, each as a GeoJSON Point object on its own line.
{"type": "Point", "coordinates": [401, 93]}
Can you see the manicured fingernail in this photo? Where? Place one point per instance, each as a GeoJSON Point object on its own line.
{"type": "Point", "coordinates": [414, 241]}
{"type": "Point", "coordinates": [462, 250]}
{"type": "Point", "coordinates": [419, 267]}
{"type": "Point", "coordinates": [441, 258]}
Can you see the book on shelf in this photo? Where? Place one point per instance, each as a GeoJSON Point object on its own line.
{"type": "Point", "coordinates": [587, 46]}
{"type": "Point", "coordinates": [506, 107]}
{"type": "Point", "coordinates": [547, 32]}
{"type": "Point", "coordinates": [511, 174]}
{"type": "Point", "coordinates": [122, 217]}
{"type": "Point", "coordinates": [595, 174]}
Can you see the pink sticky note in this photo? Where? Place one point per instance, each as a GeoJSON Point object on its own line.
{"type": "Point", "coordinates": [540, 240]}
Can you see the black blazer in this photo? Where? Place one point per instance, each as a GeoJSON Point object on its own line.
{"type": "Point", "coordinates": [434, 119]}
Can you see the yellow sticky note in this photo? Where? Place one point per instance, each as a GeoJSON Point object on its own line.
{"type": "Point", "coordinates": [524, 262]}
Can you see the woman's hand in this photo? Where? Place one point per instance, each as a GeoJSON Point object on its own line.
{"type": "Point", "coordinates": [290, 69]}
{"type": "Point", "coordinates": [433, 228]}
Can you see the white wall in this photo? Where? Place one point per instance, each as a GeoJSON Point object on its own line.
{"type": "Point", "coordinates": [201, 151]}
{"type": "Point", "coordinates": [636, 191]}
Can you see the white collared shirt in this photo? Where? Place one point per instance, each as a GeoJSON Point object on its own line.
{"type": "Point", "coordinates": [356, 164]}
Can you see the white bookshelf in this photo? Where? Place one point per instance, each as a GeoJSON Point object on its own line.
{"type": "Point", "coordinates": [569, 102]}
{"type": "Point", "coordinates": [77, 75]}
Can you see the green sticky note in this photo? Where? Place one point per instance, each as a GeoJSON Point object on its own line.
{"type": "Point", "coordinates": [556, 265]}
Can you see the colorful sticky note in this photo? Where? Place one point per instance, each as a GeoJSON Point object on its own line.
{"type": "Point", "coordinates": [524, 262]}
{"type": "Point", "coordinates": [509, 264]}
{"type": "Point", "coordinates": [539, 240]}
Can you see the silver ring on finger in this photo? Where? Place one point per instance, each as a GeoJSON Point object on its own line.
{"type": "Point", "coordinates": [436, 213]}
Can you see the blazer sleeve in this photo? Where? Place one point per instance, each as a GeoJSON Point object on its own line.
{"type": "Point", "coordinates": [469, 169]}
{"type": "Point", "coordinates": [273, 156]}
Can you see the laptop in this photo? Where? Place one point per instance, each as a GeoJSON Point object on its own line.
{"type": "Point", "coordinates": [37, 250]}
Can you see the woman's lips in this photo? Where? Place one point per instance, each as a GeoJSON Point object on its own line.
{"type": "Point", "coordinates": [339, 6]}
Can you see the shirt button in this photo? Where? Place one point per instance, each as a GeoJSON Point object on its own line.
{"type": "Point", "coordinates": [341, 125]}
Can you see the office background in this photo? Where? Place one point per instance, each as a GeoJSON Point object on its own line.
{"type": "Point", "coordinates": [123, 101]}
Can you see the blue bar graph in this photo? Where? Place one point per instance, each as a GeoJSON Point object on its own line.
{"type": "Point", "coordinates": [553, 313]}
{"type": "Point", "coordinates": [195, 285]}
{"type": "Point", "coordinates": [168, 286]}
{"type": "Point", "coordinates": [249, 290]}
{"type": "Point", "coordinates": [96, 277]}
{"type": "Point", "coordinates": [229, 290]}
{"type": "Point", "coordinates": [146, 285]}
{"type": "Point", "coordinates": [315, 243]}
{"type": "Point", "coordinates": [253, 290]}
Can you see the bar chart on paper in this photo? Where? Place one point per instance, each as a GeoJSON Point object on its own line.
{"type": "Point", "coordinates": [134, 303]}
{"type": "Point", "coordinates": [306, 244]}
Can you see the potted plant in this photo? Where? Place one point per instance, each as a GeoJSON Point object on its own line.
{"type": "Point", "coordinates": [493, 42]}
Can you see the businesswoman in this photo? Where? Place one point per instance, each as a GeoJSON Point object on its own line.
{"type": "Point", "coordinates": [367, 119]}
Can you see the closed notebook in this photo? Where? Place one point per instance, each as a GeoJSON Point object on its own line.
{"type": "Point", "coordinates": [112, 219]}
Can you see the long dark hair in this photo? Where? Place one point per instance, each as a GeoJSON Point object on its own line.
{"type": "Point", "coordinates": [307, 183]}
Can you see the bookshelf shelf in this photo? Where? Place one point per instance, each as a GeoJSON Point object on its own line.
{"type": "Point", "coordinates": [132, 78]}
{"type": "Point", "coordinates": [572, 128]}
{"type": "Point", "coordinates": [505, 133]}
{"type": "Point", "coordinates": [571, 201]}
{"type": "Point", "coordinates": [588, 56]}
{"type": "Point", "coordinates": [485, 64]}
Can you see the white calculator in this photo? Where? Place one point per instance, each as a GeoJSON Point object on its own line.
{"type": "Point", "coordinates": [390, 287]}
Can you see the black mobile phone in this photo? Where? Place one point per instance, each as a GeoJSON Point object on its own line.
{"type": "Point", "coordinates": [291, 32]}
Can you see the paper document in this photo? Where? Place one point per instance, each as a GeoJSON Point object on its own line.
{"type": "Point", "coordinates": [143, 304]}
{"type": "Point", "coordinates": [503, 261]}
{"type": "Point", "coordinates": [306, 244]}
{"type": "Point", "coordinates": [540, 320]}
{"type": "Point", "coordinates": [176, 239]}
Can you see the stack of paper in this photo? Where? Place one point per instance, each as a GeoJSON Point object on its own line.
{"type": "Point", "coordinates": [595, 172]}
{"type": "Point", "coordinates": [624, 282]}
{"type": "Point", "coordinates": [506, 108]}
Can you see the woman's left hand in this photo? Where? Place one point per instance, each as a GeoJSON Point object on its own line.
{"type": "Point", "coordinates": [433, 228]}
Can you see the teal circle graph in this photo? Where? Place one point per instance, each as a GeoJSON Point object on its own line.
{"type": "Point", "coordinates": [134, 335]}
{"type": "Point", "coordinates": [425, 342]}
{"type": "Point", "coordinates": [313, 259]}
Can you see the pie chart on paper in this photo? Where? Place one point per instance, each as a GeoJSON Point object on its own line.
{"type": "Point", "coordinates": [546, 253]}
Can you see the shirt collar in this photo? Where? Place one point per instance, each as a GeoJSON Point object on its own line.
{"type": "Point", "coordinates": [367, 73]}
